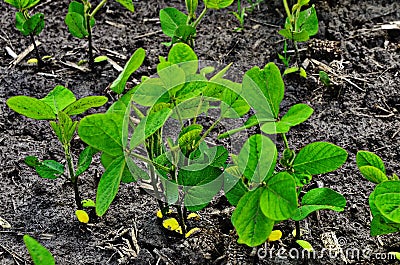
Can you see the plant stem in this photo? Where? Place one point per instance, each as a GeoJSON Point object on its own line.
{"type": "Point", "coordinates": [72, 176]}
{"type": "Point", "coordinates": [297, 224]}
{"type": "Point", "coordinates": [39, 59]}
{"type": "Point", "coordinates": [287, 9]}
{"type": "Point", "coordinates": [182, 219]}
{"type": "Point", "coordinates": [154, 182]}
{"type": "Point", "coordinates": [89, 27]}
{"type": "Point", "coordinates": [285, 141]}
{"type": "Point", "coordinates": [200, 17]}
{"type": "Point", "coordinates": [203, 137]}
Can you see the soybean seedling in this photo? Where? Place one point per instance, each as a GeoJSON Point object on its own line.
{"type": "Point", "coordinates": [28, 25]}
{"type": "Point", "coordinates": [264, 193]}
{"type": "Point", "coordinates": [80, 20]}
{"type": "Point", "coordinates": [58, 107]}
{"type": "Point", "coordinates": [181, 27]}
{"type": "Point", "coordinates": [299, 27]}
{"type": "Point", "coordinates": [241, 12]}
{"type": "Point", "coordinates": [384, 200]}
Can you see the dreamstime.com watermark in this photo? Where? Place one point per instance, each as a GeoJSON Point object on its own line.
{"type": "Point", "coordinates": [338, 253]}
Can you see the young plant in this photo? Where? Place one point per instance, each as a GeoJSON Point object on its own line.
{"type": "Point", "coordinates": [181, 27]}
{"type": "Point", "coordinates": [184, 172]}
{"type": "Point", "coordinates": [80, 20]}
{"type": "Point", "coordinates": [299, 27]}
{"type": "Point", "coordinates": [241, 12]}
{"type": "Point", "coordinates": [58, 107]}
{"type": "Point", "coordinates": [28, 25]}
{"type": "Point", "coordinates": [39, 254]}
{"type": "Point", "coordinates": [264, 193]}
{"type": "Point", "coordinates": [384, 201]}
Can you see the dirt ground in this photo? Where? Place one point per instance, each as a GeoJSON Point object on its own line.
{"type": "Point", "coordinates": [359, 112]}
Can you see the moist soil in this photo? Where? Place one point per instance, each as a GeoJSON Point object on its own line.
{"type": "Point", "coordinates": [360, 111]}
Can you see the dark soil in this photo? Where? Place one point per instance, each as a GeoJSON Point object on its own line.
{"type": "Point", "coordinates": [359, 112]}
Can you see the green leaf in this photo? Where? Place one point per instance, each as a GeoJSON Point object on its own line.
{"type": "Point", "coordinates": [59, 98]}
{"type": "Point", "coordinates": [380, 227]}
{"type": "Point", "coordinates": [257, 158]}
{"type": "Point", "coordinates": [279, 198]}
{"type": "Point", "coordinates": [76, 25]}
{"type": "Point", "coordinates": [67, 128]}
{"type": "Point", "coordinates": [34, 25]}
{"type": "Point", "coordinates": [135, 170]}
{"type": "Point", "coordinates": [233, 105]}
{"type": "Point", "coordinates": [106, 161]}
{"type": "Point", "coordinates": [19, 4]}
{"type": "Point", "coordinates": [184, 33]}
{"type": "Point", "coordinates": [109, 184]}
{"type": "Point", "coordinates": [365, 158]}
{"type": "Point", "coordinates": [76, 7]}
{"type": "Point", "coordinates": [373, 174]}
{"type": "Point", "coordinates": [191, 108]}
{"type": "Point", "coordinates": [31, 107]}
{"type": "Point", "coordinates": [295, 115]}
{"type": "Point", "coordinates": [103, 132]}
{"type": "Point", "coordinates": [308, 21]}
{"type": "Point", "coordinates": [136, 60]}
{"type": "Point", "coordinates": [218, 4]}
{"type": "Point", "coordinates": [319, 158]}
{"type": "Point", "coordinates": [286, 33]}
{"type": "Point", "coordinates": [265, 89]}
{"type": "Point", "coordinates": [301, 36]}
{"type": "Point", "coordinates": [319, 199]}
{"type": "Point", "coordinates": [48, 169]}
{"type": "Point", "coordinates": [234, 187]}
{"type": "Point", "coordinates": [305, 245]}
{"type": "Point", "coordinates": [173, 78]}
{"type": "Point", "coordinates": [252, 226]}
{"type": "Point", "coordinates": [19, 22]}
{"type": "Point", "coordinates": [32, 3]}
{"type": "Point", "coordinates": [324, 77]}
{"type": "Point", "coordinates": [85, 159]}
{"type": "Point", "coordinates": [150, 92]}
{"type": "Point", "coordinates": [171, 18]}
{"type": "Point", "coordinates": [128, 4]}
{"type": "Point", "coordinates": [100, 59]}
{"type": "Point", "coordinates": [83, 104]}
{"type": "Point", "coordinates": [39, 254]}
{"type": "Point", "coordinates": [183, 55]}
{"type": "Point", "coordinates": [387, 200]}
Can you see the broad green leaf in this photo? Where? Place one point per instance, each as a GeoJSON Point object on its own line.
{"type": "Point", "coordinates": [85, 159]}
{"type": "Point", "coordinates": [190, 108]}
{"type": "Point", "coordinates": [217, 156]}
{"type": "Point", "coordinates": [189, 176]}
{"type": "Point", "coordinates": [184, 33]}
{"type": "Point", "coordinates": [48, 169]}
{"type": "Point", "coordinates": [308, 21]}
{"type": "Point", "coordinates": [39, 254]}
{"type": "Point", "coordinates": [373, 174]}
{"type": "Point", "coordinates": [83, 104]}
{"type": "Point", "coordinates": [234, 187]}
{"type": "Point", "coordinates": [301, 36]}
{"type": "Point", "coordinates": [59, 98]}
{"type": "Point", "coordinates": [31, 107]}
{"type": "Point", "coordinates": [183, 55]}
{"type": "Point", "coordinates": [194, 86]}
{"type": "Point", "coordinates": [103, 132]}
{"type": "Point", "coordinates": [252, 226]}
{"type": "Point", "coordinates": [279, 198]}
{"type": "Point", "coordinates": [371, 201]}
{"type": "Point", "coordinates": [34, 25]}
{"type": "Point", "coordinates": [257, 158]}
{"type": "Point", "coordinates": [106, 161]}
{"type": "Point", "coordinates": [173, 78]}
{"type": "Point", "coordinates": [198, 197]}
{"type": "Point", "coordinates": [319, 199]}
{"type": "Point", "coordinates": [188, 138]}
{"type": "Point", "coordinates": [297, 114]}
{"type": "Point", "coordinates": [76, 7]}
{"type": "Point", "coordinates": [128, 4]}
{"type": "Point", "coordinates": [131, 66]}
{"type": "Point", "coordinates": [136, 172]}
{"type": "Point", "coordinates": [380, 227]}
{"type": "Point", "coordinates": [319, 158]}
{"type": "Point", "coordinates": [365, 158]}
{"type": "Point", "coordinates": [76, 25]}
{"type": "Point", "coordinates": [264, 89]}
{"type": "Point", "coordinates": [387, 200]}
{"type": "Point", "coordinates": [286, 33]}
{"type": "Point", "coordinates": [19, 22]}
{"type": "Point", "coordinates": [171, 18]}
{"type": "Point", "coordinates": [150, 92]}
{"type": "Point", "coordinates": [19, 4]}
{"type": "Point", "coordinates": [218, 4]}
{"type": "Point", "coordinates": [32, 3]}
{"type": "Point", "coordinates": [148, 126]}
{"type": "Point", "coordinates": [233, 105]}
{"type": "Point", "coordinates": [109, 184]}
